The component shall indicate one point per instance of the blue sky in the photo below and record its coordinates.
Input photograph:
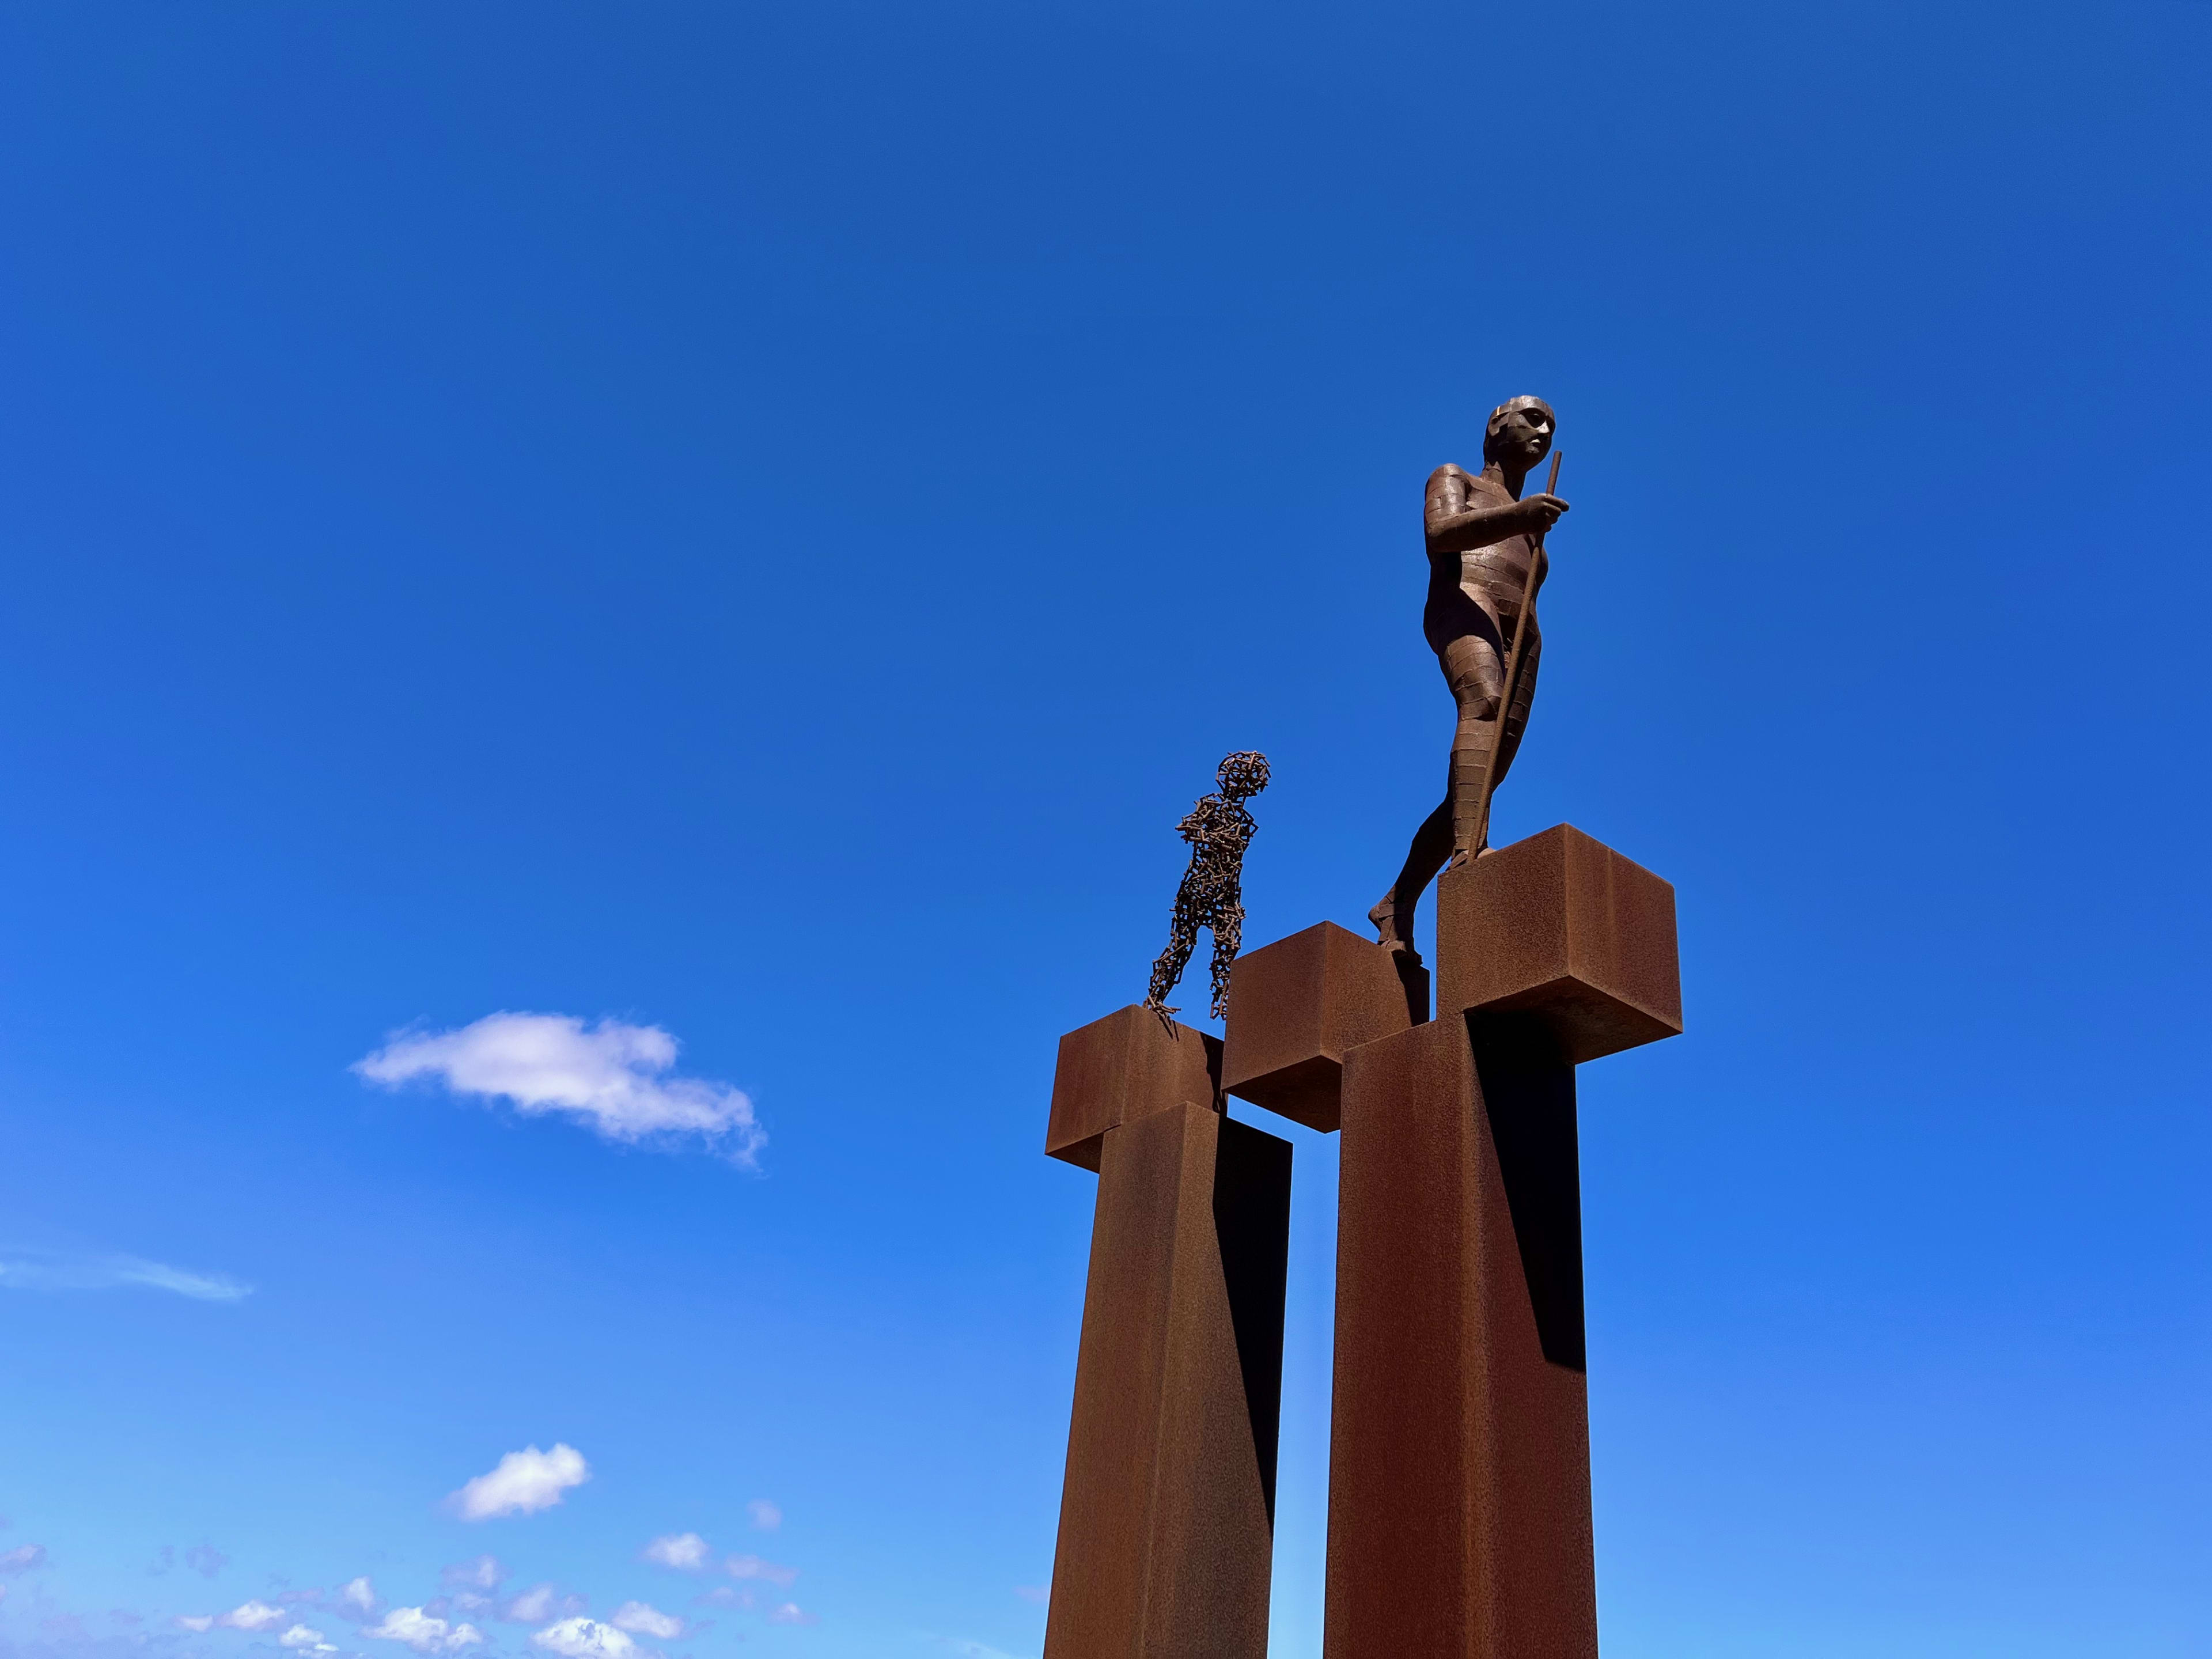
(739, 533)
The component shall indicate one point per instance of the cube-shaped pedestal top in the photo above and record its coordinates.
(1564, 929)
(1296, 1005)
(1122, 1068)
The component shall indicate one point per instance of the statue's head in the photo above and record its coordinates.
(1519, 433)
(1242, 775)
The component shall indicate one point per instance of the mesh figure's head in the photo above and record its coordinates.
(1519, 433)
(1242, 774)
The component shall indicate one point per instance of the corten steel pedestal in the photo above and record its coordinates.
(1459, 1522)
(1166, 1517)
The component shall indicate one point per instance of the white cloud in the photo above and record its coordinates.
(357, 1598)
(612, 1075)
(200, 1621)
(423, 1633)
(524, 1480)
(789, 1614)
(752, 1566)
(302, 1639)
(251, 1615)
(24, 1558)
(684, 1550)
(640, 1619)
(584, 1639)
(58, 1270)
(766, 1516)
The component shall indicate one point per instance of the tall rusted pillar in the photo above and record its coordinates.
(1167, 1516)
(1459, 1462)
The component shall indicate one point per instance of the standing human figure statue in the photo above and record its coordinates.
(1482, 535)
(1211, 894)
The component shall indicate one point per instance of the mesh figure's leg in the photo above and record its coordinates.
(1228, 925)
(1183, 939)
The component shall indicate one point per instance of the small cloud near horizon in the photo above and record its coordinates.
(767, 1518)
(525, 1481)
(413, 1627)
(584, 1639)
(612, 1076)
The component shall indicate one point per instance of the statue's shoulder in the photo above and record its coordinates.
(1448, 483)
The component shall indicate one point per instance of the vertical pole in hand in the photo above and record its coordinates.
(1521, 631)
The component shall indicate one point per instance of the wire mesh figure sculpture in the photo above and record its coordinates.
(1210, 895)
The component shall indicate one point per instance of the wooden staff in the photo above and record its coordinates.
(1522, 629)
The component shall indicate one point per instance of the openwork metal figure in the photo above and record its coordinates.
(1485, 556)
(1211, 896)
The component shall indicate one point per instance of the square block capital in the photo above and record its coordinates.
(1564, 929)
(1125, 1066)
(1296, 1005)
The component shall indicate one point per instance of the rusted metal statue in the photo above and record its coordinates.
(1485, 562)
(1211, 894)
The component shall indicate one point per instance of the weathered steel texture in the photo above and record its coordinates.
(1296, 1005)
(1459, 1462)
(1562, 929)
(1166, 1526)
(1459, 1520)
(1120, 1067)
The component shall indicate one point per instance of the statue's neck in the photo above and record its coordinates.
(1496, 474)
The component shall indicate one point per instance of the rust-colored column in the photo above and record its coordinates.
(1459, 1460)
(1166, 1517)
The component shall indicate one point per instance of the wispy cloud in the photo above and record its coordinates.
(300, 1639)
(28, 1269)
(792, 1613)
(523, 1481)
(614, 1077)
(24, 1558)
(685, 1551)
(752, 1566)
(767, 1518)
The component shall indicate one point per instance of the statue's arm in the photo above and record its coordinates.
(1455, 528)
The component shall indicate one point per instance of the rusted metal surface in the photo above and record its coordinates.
(1296, 1005)
(1166, 1526)
(1120, 1067)
(1564, 930)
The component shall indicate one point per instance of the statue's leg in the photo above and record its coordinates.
(1478, 677)
(1393, 914)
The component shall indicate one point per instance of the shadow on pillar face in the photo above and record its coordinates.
(1528, 1096)
(1252, 1219)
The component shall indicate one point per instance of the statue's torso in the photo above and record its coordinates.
(1472, 591)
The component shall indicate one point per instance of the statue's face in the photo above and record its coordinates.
(1520, 434)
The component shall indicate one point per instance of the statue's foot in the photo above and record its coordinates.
(1384, 917)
